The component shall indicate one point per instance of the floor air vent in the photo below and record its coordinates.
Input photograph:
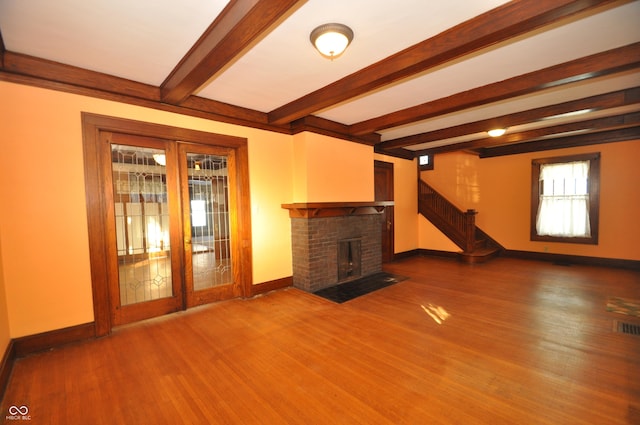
(626, 328)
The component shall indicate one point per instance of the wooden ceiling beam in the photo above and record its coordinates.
(587, 126)
(331, 128)
(234, 30)
(58, 73)
(592, 103)
(29, 70)
(502, 23)
(597, 65)
(596, 138)
(397, 153)
(2, 50)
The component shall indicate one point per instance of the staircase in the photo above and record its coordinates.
(457, 225)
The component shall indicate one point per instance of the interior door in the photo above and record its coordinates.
(208, 187)
(144, 248)
(140, 181)
(383, 181)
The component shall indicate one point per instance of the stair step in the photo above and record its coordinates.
(479, 255)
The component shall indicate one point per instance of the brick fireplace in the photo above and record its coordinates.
(335, 242)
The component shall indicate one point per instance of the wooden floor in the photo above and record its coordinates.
(525, 343)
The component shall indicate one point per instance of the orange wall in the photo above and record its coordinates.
(271, 185)
(43, 217)
(429, 237)
(405, 189)
(499, 189)
(44, 262)
(331, 170)
(45, 259)
(5, 335)
(44, 265)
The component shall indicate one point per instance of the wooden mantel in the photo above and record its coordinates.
(335, 209)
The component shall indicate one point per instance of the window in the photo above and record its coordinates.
(425, 162)
(565, 199)
(198, 213)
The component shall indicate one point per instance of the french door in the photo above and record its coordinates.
(168, 223)
(173, 247)
(208, 186)
(143, 215)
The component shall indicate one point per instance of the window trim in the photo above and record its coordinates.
(594, 197)
(429, 165)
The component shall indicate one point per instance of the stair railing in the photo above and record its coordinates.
(458, 225)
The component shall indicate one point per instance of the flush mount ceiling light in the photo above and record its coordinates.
(497, 132)
(331, 40)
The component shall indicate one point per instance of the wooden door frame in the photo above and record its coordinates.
(194, 298)
(99, 236)
(389, 212)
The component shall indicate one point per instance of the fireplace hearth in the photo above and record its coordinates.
(334, 243)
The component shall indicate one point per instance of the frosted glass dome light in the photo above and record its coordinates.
(331, 40)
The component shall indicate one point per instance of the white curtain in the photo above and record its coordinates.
(564, 200)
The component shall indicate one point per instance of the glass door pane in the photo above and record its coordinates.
(142, 223)
(208, 183)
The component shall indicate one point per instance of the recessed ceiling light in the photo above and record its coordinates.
(497, 132)
(570, 114)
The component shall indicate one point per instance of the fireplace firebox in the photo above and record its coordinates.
(349, 259)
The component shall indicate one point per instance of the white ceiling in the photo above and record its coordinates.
(143, 41)
(381, 28)
(140, 40)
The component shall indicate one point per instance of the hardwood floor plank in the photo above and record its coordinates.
(524, 342)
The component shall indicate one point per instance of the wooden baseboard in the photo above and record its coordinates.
(573, 259)
(406, 254)
(426, 252)
(23, 346)
(271, 285)
(8, 359)
(30, 344)
(536, 256)
(437, 253)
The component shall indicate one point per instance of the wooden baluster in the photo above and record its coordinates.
(461, 224)
(470, 231)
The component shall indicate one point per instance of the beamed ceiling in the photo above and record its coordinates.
(419, 77)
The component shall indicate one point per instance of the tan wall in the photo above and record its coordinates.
(499, 189)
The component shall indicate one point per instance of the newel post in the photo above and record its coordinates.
(470, 230)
